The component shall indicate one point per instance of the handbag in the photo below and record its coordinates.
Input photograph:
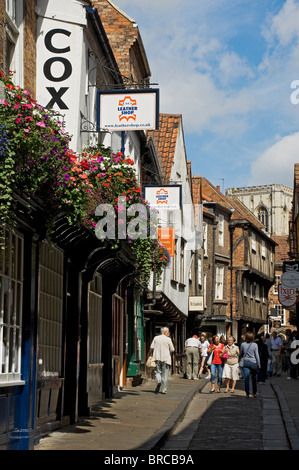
(150, 363)
(224, 357)
(250, 365)
(210, 358)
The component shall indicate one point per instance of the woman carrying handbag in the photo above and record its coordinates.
(250, 362)
(231, 365)
(216, 362)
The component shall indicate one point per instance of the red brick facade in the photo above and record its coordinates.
(125, 41)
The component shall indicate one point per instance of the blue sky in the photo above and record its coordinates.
(227, 66)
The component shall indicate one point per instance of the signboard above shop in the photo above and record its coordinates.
(287, 296)
(290, 279)
(164, 197)
(196, 303)
(128, 110)
(166, 236)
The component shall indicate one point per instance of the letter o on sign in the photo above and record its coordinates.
(67, 69)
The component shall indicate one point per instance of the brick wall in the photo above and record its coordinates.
(2, 20)
(30, 46)
(125, 41)
(29, 27)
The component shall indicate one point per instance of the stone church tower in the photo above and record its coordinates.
(271, 204)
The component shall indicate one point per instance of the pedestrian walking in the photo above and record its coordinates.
(163, 347)
(216, 363)
(264, 356)
(276, 348)
(204, 345)
(223, 340)
(268, 344)
(192, 348)
(250, 363)
(287, 345)
(231, 366)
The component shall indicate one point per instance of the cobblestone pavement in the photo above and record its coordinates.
(188, 418)
(231, 421)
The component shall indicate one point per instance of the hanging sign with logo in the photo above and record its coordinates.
(290, 279)
(287, 296)
(166, 236)
(128, 110)
(164, 197)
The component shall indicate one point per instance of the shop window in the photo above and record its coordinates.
(95, 320)
(11, 294)
(50, 310)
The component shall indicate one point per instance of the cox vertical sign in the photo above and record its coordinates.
(59, 59)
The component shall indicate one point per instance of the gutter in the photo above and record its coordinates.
(103, 40)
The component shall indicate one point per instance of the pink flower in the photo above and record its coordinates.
(41, 124)
(4, 102)
(18, 120)
(28, 118)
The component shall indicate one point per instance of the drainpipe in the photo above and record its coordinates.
(213, 266)
(153, 302)
(231, 230)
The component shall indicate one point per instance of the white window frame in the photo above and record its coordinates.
(275, 286)
(219, 284)
(199, 264)
(253, 242)
(263, 249)
(280, 311)
(174, 263)
(257, 292)
(205, 239)
(11, 300)
(221, 230)
(205, 291)
(15, 35)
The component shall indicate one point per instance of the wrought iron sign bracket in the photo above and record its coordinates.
(88, 126)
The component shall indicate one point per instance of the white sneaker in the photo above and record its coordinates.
(207, 378)
(289, 378)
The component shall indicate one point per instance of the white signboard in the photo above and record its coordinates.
(128, 110)
(164, 197)
(290, 279)
(196, 303)
(59, 57)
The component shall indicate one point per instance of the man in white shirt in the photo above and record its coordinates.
(192, 348)
(276, 345)
(162, 346)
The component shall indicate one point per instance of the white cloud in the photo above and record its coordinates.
(276, 163)
(285, 25)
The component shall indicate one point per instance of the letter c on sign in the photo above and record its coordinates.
(48, 41)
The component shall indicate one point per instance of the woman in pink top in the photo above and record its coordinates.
(215, 348)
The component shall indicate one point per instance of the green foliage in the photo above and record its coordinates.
(36, 161)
